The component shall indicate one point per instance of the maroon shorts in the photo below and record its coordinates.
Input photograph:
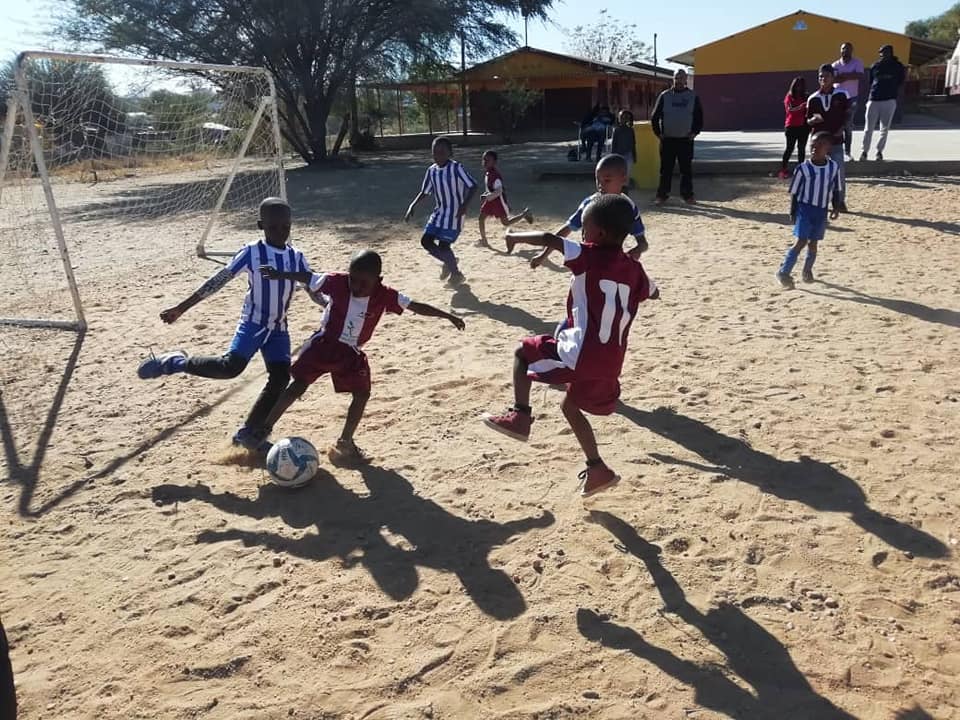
(347, 366)
(597, 396)
(495, 208)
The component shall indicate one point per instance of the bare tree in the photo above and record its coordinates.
(608, 39)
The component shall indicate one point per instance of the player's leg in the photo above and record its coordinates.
(351, 376)
(836, 154)
(246, 342)
(809, 261)
(789, 260)
(483, 228)
(293, 392)
(276, 357)
(449, 260)
(685, 160)
(8, 695)
(597, 476)
(525, 215)
(516, 421)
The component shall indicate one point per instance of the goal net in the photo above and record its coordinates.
(106, 158)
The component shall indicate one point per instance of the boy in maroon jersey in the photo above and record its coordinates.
(493, 201)
(355, 304)
(827, 112)
(587, 354)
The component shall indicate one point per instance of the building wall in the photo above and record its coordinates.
(797, 42)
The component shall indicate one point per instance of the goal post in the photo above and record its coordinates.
(92, 142)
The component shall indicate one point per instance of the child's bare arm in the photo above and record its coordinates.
(537, 261)
(420, 196)
(273, 274)
(538, 239)
(211, 286)
(637, 251)
(430, 311)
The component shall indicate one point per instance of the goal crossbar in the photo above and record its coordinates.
(20, 104)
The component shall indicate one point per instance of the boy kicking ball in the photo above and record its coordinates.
(816, 184)
(587, 354)
(493, 202)
(263, 320)
(611, 175)
(355, 303)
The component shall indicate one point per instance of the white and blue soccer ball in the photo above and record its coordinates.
(292, 462)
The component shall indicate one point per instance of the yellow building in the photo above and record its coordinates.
(742, 79)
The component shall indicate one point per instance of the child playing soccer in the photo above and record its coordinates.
(493, 202)
(356, 302)
(453, 189)
(611, 174)
(815, 185)
(263, 320)
(587, 355)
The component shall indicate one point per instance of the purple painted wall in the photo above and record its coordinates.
(752, 101)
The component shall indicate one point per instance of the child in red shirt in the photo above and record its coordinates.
(795, 125)
(493, 202)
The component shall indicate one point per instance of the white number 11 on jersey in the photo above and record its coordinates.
(613, 292)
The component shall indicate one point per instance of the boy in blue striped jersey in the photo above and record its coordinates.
(815, 186)
(263, 320)
(452, 188)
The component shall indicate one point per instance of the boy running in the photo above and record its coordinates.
(611, 174)
(453, 189)
(493, 202)
(588, 354)
(263, 320)
(356, 302)
(815, 185)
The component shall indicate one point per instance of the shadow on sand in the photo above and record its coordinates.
(755, 656)
(814, 483)
(348, 526)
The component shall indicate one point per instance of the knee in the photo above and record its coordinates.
(427, 242)
(361, 396)
(234, 364)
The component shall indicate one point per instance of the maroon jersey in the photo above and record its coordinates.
(349, 319)
(494, 182)
(833, 107)
(606, 288)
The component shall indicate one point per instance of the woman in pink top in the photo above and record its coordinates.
(795, 126)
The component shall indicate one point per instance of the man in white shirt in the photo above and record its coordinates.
(849, 73)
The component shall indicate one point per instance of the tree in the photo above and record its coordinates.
(608, 40)
(316, 49)
(516, 99)
(940, 28)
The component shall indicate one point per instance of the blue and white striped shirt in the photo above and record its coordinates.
(267, 301)
(448, 185)
(815, 184)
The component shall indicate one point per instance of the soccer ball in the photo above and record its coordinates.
(292, 462)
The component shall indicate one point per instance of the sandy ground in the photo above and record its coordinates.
(783, 544)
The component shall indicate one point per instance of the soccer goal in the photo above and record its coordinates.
(96, 149)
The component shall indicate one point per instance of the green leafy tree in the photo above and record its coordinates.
(940, 28)
(608, 39)
(516, 100)
(316, 49)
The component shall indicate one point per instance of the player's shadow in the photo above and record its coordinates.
(814, 483)
(949, 228)
(940, 316)
(27, 474)
(349, 527)
(754, 655)
(464, 299)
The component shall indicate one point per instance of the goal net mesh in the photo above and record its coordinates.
(137, 157)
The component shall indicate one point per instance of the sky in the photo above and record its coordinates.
(24, 23)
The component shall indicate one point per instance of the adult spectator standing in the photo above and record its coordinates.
(677, 119)
(827, 112)
(795, 125)
(849, 72)
(886, 77)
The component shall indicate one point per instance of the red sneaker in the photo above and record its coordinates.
(783, 175)
(596, 479)
(512, 423)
